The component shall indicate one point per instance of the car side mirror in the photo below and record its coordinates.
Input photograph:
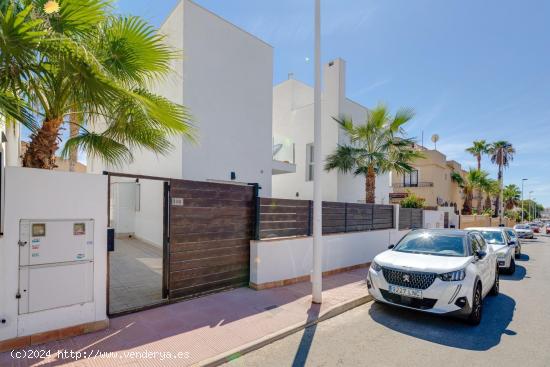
(512, 243)
(391, 246)
(481, 254)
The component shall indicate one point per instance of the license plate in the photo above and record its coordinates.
(408, 292)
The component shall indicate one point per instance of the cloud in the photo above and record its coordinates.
(370, 87)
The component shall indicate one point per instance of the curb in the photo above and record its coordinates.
(268, 339)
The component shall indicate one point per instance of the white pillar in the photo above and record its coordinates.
(317, 275)
(13, 145)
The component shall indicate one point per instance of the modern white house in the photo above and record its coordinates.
(225, 79)
(293, 130)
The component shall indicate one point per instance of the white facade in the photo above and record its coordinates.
(59, 196)
(225, 79)
(293, 121)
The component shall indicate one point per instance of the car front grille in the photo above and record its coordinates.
(421, 304)
(407, 279)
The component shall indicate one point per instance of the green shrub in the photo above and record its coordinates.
(412, 201)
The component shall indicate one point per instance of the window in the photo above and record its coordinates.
(309, 162)
(425, 242)
(410, 179)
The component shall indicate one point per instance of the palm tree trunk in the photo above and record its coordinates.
(44, 143)
(73, 132)
(500, 194)
(479, 162)
(479, 201)
(370, 185)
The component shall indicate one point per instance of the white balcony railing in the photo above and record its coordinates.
(284, 150)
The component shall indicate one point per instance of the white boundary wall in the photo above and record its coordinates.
(288, 258)
(42, 194)
(434, 219)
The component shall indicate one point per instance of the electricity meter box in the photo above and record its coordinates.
(56, 263)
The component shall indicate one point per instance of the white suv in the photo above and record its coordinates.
(503, 246)
(441, 271)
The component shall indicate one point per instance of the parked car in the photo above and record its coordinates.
(524, 231)
(534, 227)
(547, 229)
(502, 245)
(441, 271)
(515, 239)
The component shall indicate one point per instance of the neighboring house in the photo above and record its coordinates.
(293, 138)
(430, 180)
(225, 79)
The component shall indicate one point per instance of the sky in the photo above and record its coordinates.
(470, 69)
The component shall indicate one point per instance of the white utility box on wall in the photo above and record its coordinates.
(56, 263)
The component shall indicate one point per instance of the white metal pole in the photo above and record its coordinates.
(317, 276)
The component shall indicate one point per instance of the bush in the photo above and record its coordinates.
(412, 201)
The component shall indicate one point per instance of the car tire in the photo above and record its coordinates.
(477, 307)
(512, 268)
(496, 285)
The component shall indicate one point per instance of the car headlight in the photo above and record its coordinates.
(374, 266)
(453, 276)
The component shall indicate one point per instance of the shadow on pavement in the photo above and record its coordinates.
(523, 257)
(519, 274)
(497, 315)
(300, 357)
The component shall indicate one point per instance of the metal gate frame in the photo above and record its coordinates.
(165, 237)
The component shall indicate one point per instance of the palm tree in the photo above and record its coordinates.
(478, 149)
(76, 58)
(502, 153)
(461, 182)
(376, 147)
(511, 195)
(478, 179)
(491, 190)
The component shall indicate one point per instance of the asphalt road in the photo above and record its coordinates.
(515, 330)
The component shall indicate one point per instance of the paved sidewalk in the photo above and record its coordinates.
(205, 328)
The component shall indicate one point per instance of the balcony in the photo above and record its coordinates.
(284, 156)
(412, 184)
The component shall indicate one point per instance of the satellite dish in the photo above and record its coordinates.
(435, 139)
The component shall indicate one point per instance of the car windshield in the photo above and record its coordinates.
(493, 236)
(430, 243)
(521, 227)
(511, 233)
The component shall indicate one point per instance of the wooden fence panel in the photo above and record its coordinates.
(410, 218)
(211, 225)
(284, 217)
(288, 217)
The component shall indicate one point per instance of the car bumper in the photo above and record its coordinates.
(453, 298)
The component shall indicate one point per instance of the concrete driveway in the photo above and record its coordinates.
(515, 330)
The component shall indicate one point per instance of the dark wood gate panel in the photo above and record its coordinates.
(211, 225)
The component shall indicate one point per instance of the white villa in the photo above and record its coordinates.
(293, 131)
(248, 131)
(225, 79)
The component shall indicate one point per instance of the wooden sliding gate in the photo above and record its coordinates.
(210, 228)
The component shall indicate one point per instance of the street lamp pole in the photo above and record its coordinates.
(529, 210)
(522, 181)
(317, 275)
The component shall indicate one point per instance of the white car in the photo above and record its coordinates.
(502, 245)
(442, 271)
(524, 231)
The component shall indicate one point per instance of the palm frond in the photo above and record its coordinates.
(100, 146)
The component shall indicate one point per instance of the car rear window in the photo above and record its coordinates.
(430, 243)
